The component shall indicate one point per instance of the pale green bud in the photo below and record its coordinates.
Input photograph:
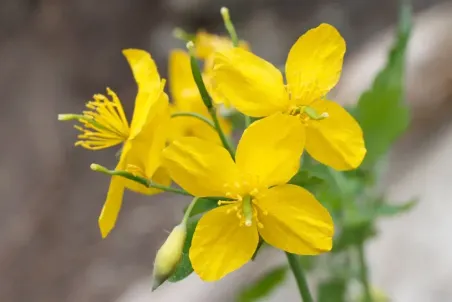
(169, 255)
(376, 294)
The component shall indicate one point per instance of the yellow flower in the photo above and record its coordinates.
(186, 98)
(262, 203)
(207, 44)
(256, 88)
(105, 125)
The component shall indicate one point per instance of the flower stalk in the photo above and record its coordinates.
(295, 266)
(229, 26)
(145, 182)
(197, 76)
(194, 115)
(363, 274)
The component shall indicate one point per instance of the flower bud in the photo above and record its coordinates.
(376, 295)
(169, 255)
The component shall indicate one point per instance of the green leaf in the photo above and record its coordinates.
(202, 205)
(263, 286)
(307, 180)
(332, 290)
(381, 111)
(353, 235)
(385, 209)
(184, 268)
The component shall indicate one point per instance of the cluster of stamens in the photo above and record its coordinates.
(245, 204)
(306, 113)
(104, 124)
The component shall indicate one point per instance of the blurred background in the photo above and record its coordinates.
(55, 54)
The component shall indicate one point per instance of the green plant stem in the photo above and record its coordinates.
(363, 272)
(189, 209)
(297, 269)
(223, 138)
(247, 121)
(195, 115)
(229, 26)
(138, 179)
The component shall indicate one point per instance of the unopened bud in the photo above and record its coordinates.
(376, 295)
(225, 13)
(169, 255)
(99, 168)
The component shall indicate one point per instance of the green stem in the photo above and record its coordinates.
(229, 26)
(195, 115)
(363, 272)
(145, 182)
(247, 121)
(189, 209)
(224, 140)
(297, 269)
(197, 76)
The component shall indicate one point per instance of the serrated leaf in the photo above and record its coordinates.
(184, 268)
(263, 286)
(381, 111)
(332, 290)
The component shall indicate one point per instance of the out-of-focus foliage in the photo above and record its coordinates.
(381, 111)
(264, 286)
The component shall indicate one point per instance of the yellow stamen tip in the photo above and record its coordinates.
(248, 223)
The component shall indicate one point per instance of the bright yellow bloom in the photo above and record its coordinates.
(262, 203)
(105, 125)
(256, 88)
(207, 44)
(186, 98)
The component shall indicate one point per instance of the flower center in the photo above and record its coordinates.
(306, 113)
(245, 205)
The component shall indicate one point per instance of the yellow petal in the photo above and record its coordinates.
(182, 85)
(220, 245)
(160, 176)
(336, 141)
(294, 221)
(207, 44)
(190, 126)
(143, 152)
(270, 149)
(314, 64)
(112, 206)
(252, 85)
(149, 86)
(200, 167)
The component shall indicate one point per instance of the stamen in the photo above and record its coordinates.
(225, 202)
(247, 209)
(104, 124)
